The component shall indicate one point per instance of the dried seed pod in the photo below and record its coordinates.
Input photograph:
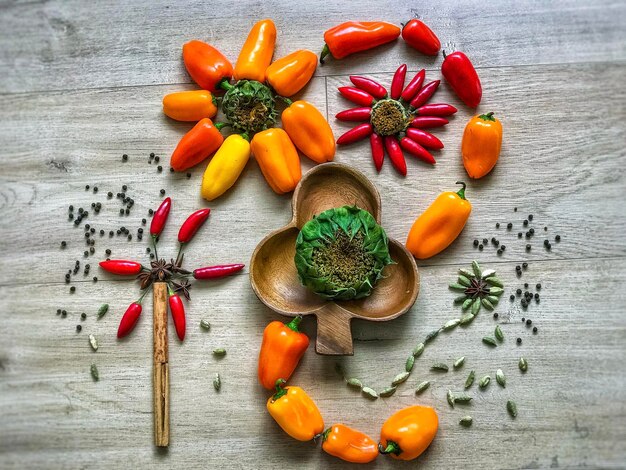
(462, 398)
(369, 393)
(482, 383)
(470, 379)
(419, 349)
(387, 392)
(354, 383)
(410, 361)
(456, 286)
(219, 352)
(467, 304)
(400, 378)
(496, 290)
(523, 364)
(489, 341)
(432, 335)
(217, 382)
(476, 268)
(466, 273)
(498, 333)
(93, 342)
(476, 306)
(459, 362)
(205, 325)
(466, 318)
(488, 273)
(488, 305)
(464, 281)
(494, 281)
(466, 421)
(450, 398)
(500, 378)
(511, 407)
(422, 386)
(451, 324)
(439, 367)
(104, 308)
(94, 372)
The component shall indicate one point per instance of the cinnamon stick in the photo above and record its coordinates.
(160, 376)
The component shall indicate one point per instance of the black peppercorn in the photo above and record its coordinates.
(525, 222)
(529, 322)
(63, 244)
(70, 216)
(92, 250)
(85, 254)
(121, 211)
(72, 289)
(86, 187)
(519, 340)
(78, 328)
(527, 234)
(127, 211)
(534, 329)
(150, 211)
(188, 175)
(530, 217)
(512, 297)
(557, 238)
(95, 189)
(148, 250)
(523, 319)
(140, 230)
(58, 311)
(124, 157)
(518, 268)
(526, 285)
(499, 252)
(497, 225)
(95, 279)
(475, 242)
(485, 241)
(503, 247)
(518, 291)
(171, 170)
(480, 247)
(509, 226)
(528, 247)
(63, 313)
(519, 234)
(159, 168)
(546, 242)
(156, 159)
(515, 209)
(83, 316)
(524, 265)
(111, 233)
(101, 232)
(107, 251)
(92, 230)
(538, 286)
(162, 191)
(532, 231)
(524, 303)
(130, 237)
(549, 247)
(495, 315)
(151, 154)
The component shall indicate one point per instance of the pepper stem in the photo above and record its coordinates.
(180, 250)
(280, 391)
(461, 192)
(324, 435)
(140, 299)
(324, 53)
(444, 54)
(220, 125)
(286, 100)
(487, 117)
(245, 136)
(154, 244)
(293, 324)
(224, 84)
(392, 448)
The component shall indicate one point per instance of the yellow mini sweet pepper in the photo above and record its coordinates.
(225, 166)
(189, 105)
(278, 159)
(289, 74)
(309, 131)
(295, 412)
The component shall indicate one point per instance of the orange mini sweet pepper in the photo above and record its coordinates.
(348, 444)
(289, 74)
(482, 140)
(295, 412)
(196, 145)
(408, 432)
(281, 350)
(256, 53)
(278, 159)
(206, 65)
(439, 225)
(309, 131)
(189, 105)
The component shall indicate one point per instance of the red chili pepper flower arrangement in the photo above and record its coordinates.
(394, 121)
(170, 272)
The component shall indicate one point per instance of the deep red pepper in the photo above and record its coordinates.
(355, 114)
(395, 154)
(436, 109)
(121, 266)
(356, 95)
(192, 224)
(378, 151)
(160, 217)
(458, 70)
(178, 313)
(416, 150)
(421, 37)
(426, 122)
(425, 139)
(129, 319)
(355, 134)
(425, 93)
(370, 86)
(355, 36)
(414, 85)
(215, 272)
(397, 83)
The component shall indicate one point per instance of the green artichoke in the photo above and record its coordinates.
(250, 107)
(341, 253)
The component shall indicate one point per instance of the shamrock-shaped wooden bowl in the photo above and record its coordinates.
(275, 280)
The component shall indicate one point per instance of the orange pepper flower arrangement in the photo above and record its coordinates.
(250, 108)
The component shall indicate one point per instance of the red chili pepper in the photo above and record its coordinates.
(160, 217)
(378, 151)
(395, 154)
(121, 267)
(426, 122)
(355, 36)
(421, 37)
(129, 319)
(367, 84)
(425, 139)
(414, 86)
(356, 95)
(178, 313)
(355, 134)
(436, 109)
(355, 114)
(215, 272)
(425, 93)
(458, 70)
(192, 224)
(397, 83)
(416, 150)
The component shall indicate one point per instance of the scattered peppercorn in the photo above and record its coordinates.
(523, 319)
(524, 265)
(519, 340)
(512, 297)
(509, 226)
(95, 189)
(171, 170)
(530, 217)
(525, 222)
(519, 234)
(480, 247)
(92, 250)
(528, 247)
(538, 286)
(151, 154)
(475, 242)
(107, 251)
(86, 187)
(85, 254)
(63, 244)
(130, 237)
(150, 211)
(534, 329)
(529, 322)
(162, 191)
(72, 289)
(485, 241)
(78, 328)
(124, 157)
(157, 158)
(63, 313)
(95, 279)
(524, 303)
(518, 291)
(58, 311)
(499, 252)
(159, 168)
(188, 175)
(495, 315)
(111, 233)
(497, 225)
(557, 238)
(515, 209)
(121, 211)
(532, 231)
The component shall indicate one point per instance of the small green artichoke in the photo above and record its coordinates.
(341, 253)
(250, 107)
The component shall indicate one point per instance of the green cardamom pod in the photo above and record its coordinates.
(476, 269)
(511, 408)
(451, 324)
(432, 335)
(450, 398)
(205, 325)
(459, 362)
(93, 342)
(220, 352)
(104, 308)
(468, 303)
(462, 398)
(500, 378)
(94, 372)
(354, 383)
(482, 383)
(466, 273)
(464, 281)
(496, 290)
(217, 382)
(494, 281)
(455, 286)
(476, 306)
(410, 361)
(460, 299)
(466, 421)
(439, 367)
(422, 386)
(400, 378)
(493, 299)
(488, 305)
(498, 333)
(488, 273)
(470, 379)
(369, 393)
(488, 340)
(387, 392)
(419, 349)
(466, 318)
(523, 364)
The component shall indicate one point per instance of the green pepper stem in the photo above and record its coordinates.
(220, 125)
(324, 434)
(487, 117)
(245, 136)
(224, 84)
(180, 250)
(392, 448)
(286, 100)
(293, 324)
(140, 299)
(154, 244)
(324, 53)
(461, 192)
(280, 391)
(444, 54)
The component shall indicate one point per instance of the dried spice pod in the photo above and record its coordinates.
(511, 407)
(400, 378)
(523, 364)
(482, 383)
(422, 386)
(466, 421)
(500, 378)
(369, 393)
(439, 367)
(354, 383)
(387, 392)
(470, 380)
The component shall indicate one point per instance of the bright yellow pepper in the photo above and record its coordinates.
(289, 74)
(295, 412)
(278, 159)
(482, 140)
(309, 131)
(189, 105)
(225, 166)
(439, 225)
(256, 53)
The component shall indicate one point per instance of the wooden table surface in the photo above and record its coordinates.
(81, 84)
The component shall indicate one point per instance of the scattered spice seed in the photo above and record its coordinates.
(400, 378)
(387, 392)
(511, 407)
(519, 340)
(500, 378)
(220, 352)
(462, 398)
(451, 324)
(466, 421)
(78, 328)
(72, 289)
(534, 329)
(217, 382)
(419, 349)
(422, 386)
(94, 372)
(83, 316)
(470, 379)
(439, 367)
(354, 383)
(369, 393)
(205, 325)
(482, 383)
(523, 364)
(557, 238)
(410, 361)
(432, 335)
(450, 398)
(498, 333)
(93, 342)
(489, 341)
(459, 362)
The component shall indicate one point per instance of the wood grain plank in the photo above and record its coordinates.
(62, 45)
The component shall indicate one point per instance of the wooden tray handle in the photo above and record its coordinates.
(334, 336)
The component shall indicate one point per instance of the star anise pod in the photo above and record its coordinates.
(145, 279)
(161, 270)
(182, 287)
(177, 269)
(480, 288)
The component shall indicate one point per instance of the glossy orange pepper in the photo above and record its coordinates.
(348, 444)
(356, 36)
(278, 159)
(309, 131)
(281, 350)
(439, 225)
(256, 53)
(481, 145)
(295, 412)
(189, 105)
(408, 432)
(289, 74)
(206, 65)
(196, 145)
